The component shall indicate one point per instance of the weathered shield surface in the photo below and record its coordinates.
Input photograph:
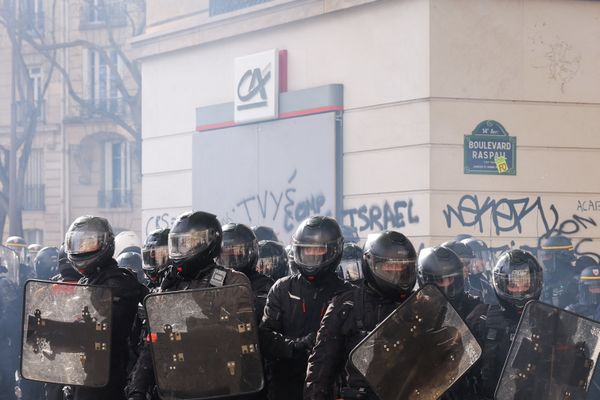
(66, 333)
(553, 356)
(419, 351)
(205, 342)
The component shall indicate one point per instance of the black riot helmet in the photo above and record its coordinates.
(589, 285)
(389, 264)
(66, 270)
(272, 259)
(556, 252)
(264, 233)
(350, 268)
(317, 245)
(132, 261)
(32, 251)
(442, 267)
(194, 242)
(155, 253)
(239, 249)
(46, 263)
(89, 244)
(483, 260)
(517, 279)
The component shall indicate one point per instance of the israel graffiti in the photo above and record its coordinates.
(378, 217)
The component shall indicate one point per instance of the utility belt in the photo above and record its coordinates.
(350, 393)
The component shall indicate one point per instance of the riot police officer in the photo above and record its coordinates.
(350, 268)
(272, 259)
(66, 270)
(90, 244)
(390, 275)
(239, 251)
(155, 255)
(517, 279)
(466, 256)
(264, 233)
(296, 304)
(442, 267)
(10, 321)
(46, 263)
(588, 303)
(132, 261)
(478, 280)
(557, 257)
(194, 243)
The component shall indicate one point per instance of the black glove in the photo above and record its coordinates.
(306, 343)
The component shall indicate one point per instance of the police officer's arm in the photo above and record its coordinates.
(273, 342)
(142, 378)
(328, 356)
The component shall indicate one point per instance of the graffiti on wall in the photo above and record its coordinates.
(377, 217)
(509, 215)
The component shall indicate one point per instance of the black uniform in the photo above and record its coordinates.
(9, 337)
(142, 380)
(390, 275)
(127, 293)
(496, 330)
(294, 310)
(517, 280)
(348, 320)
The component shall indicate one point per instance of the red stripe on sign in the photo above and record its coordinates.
(291, 114)
(311, 111)
(220, 125)
(283, 71)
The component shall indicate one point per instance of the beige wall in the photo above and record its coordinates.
(322, 50)
(533, 66)
(418, 75)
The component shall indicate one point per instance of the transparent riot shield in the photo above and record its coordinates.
(66, 333)
(205, 342)
(552, 357)
(9, 264)
(419, 351)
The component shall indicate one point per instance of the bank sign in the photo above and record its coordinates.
(489, 150)
(256, 87)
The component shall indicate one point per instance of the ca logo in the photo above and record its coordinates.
(252, 83)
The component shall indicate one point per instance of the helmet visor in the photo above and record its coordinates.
(188, 244)
(268, 265)
(519, 284)
(155, 257)
(350, 270)
(82, 242)
(237, 256)
(401, 273)
(313, 256)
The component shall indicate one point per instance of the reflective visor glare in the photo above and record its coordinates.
(78, 242)
(352, 270)
(266, 265)
(184, 244)
(395, 271)
(234, 255)
(519, 284)
(313, 255)
(155, 256)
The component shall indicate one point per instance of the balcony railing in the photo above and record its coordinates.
(115, 199)
(34, 197)
(98, 108)
(113, 13)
